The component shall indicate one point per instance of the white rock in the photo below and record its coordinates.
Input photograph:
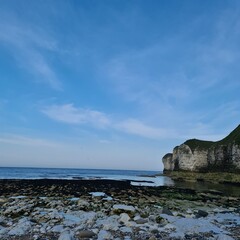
(103, 234)
(224, 237)
(35, 236)
(42, 230)
(124, 218)
(57, 228)
(66, 235)
(218, 210)
(95, 230)
(126, 229)
(74, 199)
(98, 194)
(130, 224)
(189, 211)
(108, 198)
(137, 218)
(169, 226)
(108, 223)
(42, 198)
(9, 223)
(80, 218)
(124, 207)
(18, 197)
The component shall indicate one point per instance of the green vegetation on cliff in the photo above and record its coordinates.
(233, 137)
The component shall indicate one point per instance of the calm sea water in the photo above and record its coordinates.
(137, 177)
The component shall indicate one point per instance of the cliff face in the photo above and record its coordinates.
(197, 155)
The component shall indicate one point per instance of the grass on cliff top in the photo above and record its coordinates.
(233, 137)
(213, 177)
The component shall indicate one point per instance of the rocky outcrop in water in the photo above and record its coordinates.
(197, 155)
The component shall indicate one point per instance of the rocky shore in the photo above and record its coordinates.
(107, 209)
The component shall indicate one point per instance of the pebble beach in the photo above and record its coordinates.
(107, 209)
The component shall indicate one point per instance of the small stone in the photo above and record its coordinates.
(124, 218)
(57, 228)
(159, 219)
(126, 229)
(141, 221)
(83, 203)
(98, 194)
(189, 211)
(152, 238)
(201, 213)
(108, 198)
(103, 234)
(124, 207)
(42, 230)
(3, 200)
(35, 236)
(74, 199)
(167, 211)
(86, 234)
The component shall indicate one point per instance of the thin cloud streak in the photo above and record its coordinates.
(23, 140)
(26, 45)
(170, 89)
(69, 114)
(136, 127)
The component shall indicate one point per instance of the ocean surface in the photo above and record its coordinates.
(140, 178)
(137, 178)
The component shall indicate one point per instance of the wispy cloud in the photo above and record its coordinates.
(27, 141)
(67, 113)
(27, 45)
(136, 127)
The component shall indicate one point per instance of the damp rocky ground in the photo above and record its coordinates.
(106, 209)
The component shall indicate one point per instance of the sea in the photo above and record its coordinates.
(137, 178)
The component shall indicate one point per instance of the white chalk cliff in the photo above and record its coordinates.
(197, 155)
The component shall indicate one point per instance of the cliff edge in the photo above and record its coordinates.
(206, 156)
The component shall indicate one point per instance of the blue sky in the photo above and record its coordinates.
(115, 84)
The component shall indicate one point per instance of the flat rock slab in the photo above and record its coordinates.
(123, 207)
